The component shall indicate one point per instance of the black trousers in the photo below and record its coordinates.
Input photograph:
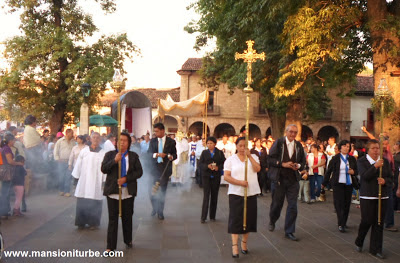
(342, 201)
(113, 214)
(290, 189)
(261, 180)
(88, 212)
(158, 200)
(369, 219)
(210, 188)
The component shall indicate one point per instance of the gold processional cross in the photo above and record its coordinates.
(249, 56)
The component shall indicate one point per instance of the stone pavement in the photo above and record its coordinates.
(49, 225)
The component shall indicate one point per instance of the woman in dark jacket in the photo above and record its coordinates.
(131, 170)
(211, 163)
(343, 169)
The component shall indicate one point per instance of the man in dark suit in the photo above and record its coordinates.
(369, 168)
(286, 160)
(163, 151)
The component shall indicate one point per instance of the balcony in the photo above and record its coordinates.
(213, 110)
(260, 112)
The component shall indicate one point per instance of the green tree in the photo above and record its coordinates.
(51, 59)
(311, 46)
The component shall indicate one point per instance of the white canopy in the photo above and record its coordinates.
(188, 108)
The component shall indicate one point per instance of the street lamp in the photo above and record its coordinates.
(382, 93)
(118, 84)
(85, 89)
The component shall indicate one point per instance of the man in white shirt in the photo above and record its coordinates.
(109, 144)
(62, 151)
(330, 149)
(286, 160)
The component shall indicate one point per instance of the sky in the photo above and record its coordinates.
(155, 26)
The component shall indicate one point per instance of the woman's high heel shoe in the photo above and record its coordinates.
(234, 255)
(244, 251)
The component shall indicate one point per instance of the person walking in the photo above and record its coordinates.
(211, 163)
(343, 169)
(369, 168)
(286, 161)
(234, 172)
(131, 170)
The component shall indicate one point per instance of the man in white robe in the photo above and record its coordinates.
(182, 161)
(90, 178)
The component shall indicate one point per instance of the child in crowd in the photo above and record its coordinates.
(18, 182)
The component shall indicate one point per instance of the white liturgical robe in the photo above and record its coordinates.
(88, 170)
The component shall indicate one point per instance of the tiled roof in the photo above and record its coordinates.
(152, 94)
(365, 86)
(192, 64)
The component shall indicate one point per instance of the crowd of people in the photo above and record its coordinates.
(285, 167)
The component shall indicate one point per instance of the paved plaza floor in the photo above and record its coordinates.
(49, 225)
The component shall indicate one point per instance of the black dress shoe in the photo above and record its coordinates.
(235, 255)
(161, 217)
(358, 249)
(202, 221)
(153, 213)
(291, 237)
(341, 229)
(244, 252)
(378, 255)
(212, 220)
(271, 227)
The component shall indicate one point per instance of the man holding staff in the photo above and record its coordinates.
(369, 167)
(163, 151)
(131, 170)
(286, 160)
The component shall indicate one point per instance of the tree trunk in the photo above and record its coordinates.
(294, 116)
(377, 12)
(277, 124)
(57, 119)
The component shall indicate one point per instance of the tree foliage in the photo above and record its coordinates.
(51, 58)
(311, 46)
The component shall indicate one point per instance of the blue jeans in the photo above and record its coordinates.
(5, 198)
(315, 179)
(64, 176)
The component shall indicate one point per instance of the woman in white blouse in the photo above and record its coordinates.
(76, 150)
(234, 170)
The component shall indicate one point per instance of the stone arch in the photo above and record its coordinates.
(306, 132)
(170, 122)
(328, 131)
(197, 128)
(255, 131)
(268, 132)
(224, 128)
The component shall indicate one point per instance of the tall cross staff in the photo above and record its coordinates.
(118, 85)
(249, 56)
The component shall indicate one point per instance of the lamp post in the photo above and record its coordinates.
(84, 113)
(118, 84)
(382, 93)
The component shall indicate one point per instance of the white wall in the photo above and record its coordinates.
(358, 114)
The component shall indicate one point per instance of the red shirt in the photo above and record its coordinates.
(315, 170)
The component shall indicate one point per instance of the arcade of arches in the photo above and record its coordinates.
(323, 133)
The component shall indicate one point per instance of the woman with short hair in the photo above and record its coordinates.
(211, 163)
(343, 169)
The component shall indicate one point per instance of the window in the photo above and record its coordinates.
(210, 106)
